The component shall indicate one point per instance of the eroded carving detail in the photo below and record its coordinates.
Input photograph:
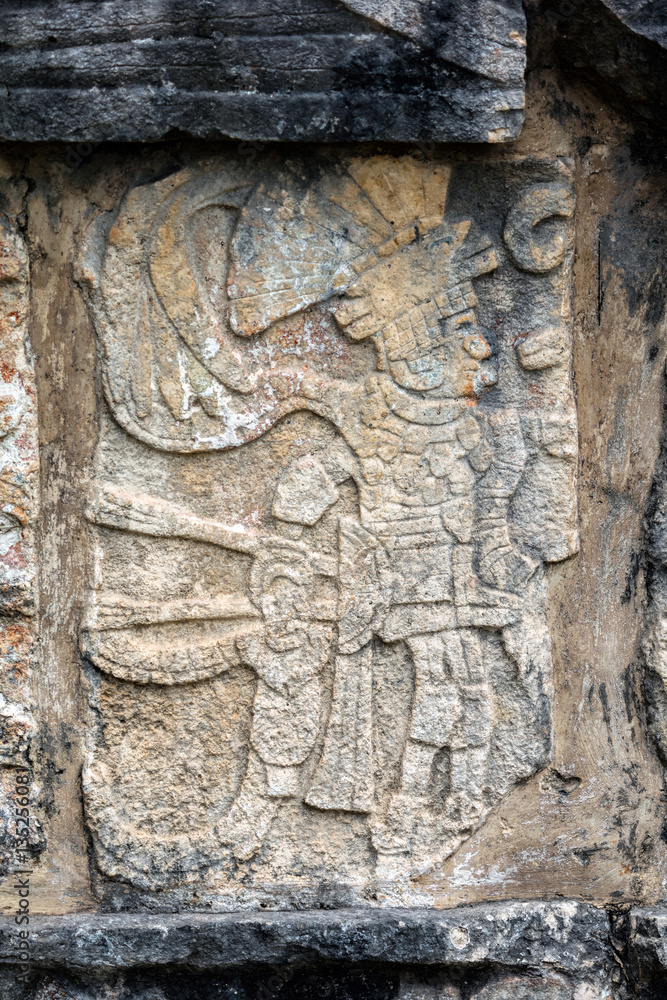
(419, 521)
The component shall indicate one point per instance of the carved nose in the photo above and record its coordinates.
(476, 346)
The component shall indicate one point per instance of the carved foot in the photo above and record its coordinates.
(247, 823)
(393, 834)
(462, 811)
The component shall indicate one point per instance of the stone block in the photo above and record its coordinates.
(311, 70)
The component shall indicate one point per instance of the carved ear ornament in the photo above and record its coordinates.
(536, 230)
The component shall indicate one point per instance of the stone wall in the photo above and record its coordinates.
(333, 550)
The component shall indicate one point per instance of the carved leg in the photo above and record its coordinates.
(465, 801)
(435, 711)
(416, 768)
(394, 832)
(283, 734)
(282, 782)
(255, 806)
(344, 777)
(252, 811)
(470, 748)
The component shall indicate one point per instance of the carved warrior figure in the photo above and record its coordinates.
(433, 559)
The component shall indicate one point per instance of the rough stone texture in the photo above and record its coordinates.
(649, 929)
(376, 702)
(571, 937)
(556, 951)
(304, 70)
(648, 950)
(20, 840)
(254, 688)
(620, 46)
(647, 19)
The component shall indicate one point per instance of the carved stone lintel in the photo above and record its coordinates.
(320, 70)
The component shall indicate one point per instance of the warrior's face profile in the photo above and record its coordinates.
(442, 357)
(419, 307)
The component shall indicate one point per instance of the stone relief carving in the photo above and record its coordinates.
(317, 628)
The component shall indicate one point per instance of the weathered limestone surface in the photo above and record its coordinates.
(333, 563)
(19, 497)
(364, 620)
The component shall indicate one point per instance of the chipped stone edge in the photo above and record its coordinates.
(136, 114)
(648, 939)
(567, 936)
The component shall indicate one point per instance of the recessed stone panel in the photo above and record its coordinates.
(338, 450)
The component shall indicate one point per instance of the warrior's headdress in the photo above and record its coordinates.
(368, 235)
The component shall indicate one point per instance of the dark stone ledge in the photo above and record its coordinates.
(292, 70)
(138, 114)
(567, 936)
